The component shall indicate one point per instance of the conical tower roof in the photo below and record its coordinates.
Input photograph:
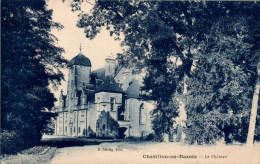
(80, 59)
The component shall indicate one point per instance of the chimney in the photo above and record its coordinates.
(110, 67)
(126, 80)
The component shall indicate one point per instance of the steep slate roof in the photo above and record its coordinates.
(109, 85)
(133, 90)
(100, 73)
(80, 59)
(117, 69)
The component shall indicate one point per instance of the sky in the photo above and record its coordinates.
(70, 38)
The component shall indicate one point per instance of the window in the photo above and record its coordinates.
(142, 114)
(120, 113)
(142, 134)
(74, 129)
(60, 119)
(104, 126)
(64, 103)
(82, 113)
(79, 100)
(129, 113)
(74, 117)
(65, 129)
(79, 129)
(112, 102)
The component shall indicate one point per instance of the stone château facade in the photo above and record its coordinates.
(102, 103)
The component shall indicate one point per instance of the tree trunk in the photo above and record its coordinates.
(182, 112)
(251, 129)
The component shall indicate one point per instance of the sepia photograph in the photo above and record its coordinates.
(130, 81)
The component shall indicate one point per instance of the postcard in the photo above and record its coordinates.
(97, 81)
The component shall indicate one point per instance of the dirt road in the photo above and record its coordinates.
(154, 152)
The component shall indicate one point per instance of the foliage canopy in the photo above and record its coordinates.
(30, 63)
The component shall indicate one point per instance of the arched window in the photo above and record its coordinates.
(142, 114)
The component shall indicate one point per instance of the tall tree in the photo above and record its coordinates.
(163, 38)
(30, 63)
(218, 100)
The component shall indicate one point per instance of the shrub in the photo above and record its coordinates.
(11, 142)
(91, 133)
(150, 137)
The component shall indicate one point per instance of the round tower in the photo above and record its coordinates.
(79, 72)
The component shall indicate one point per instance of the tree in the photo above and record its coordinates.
(218, 99)
(30, 63)
(165, 37)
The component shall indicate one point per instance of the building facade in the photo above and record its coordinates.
(104, 103)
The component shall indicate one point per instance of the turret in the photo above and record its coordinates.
(79, 72)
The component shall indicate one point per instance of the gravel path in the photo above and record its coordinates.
(153, 152)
